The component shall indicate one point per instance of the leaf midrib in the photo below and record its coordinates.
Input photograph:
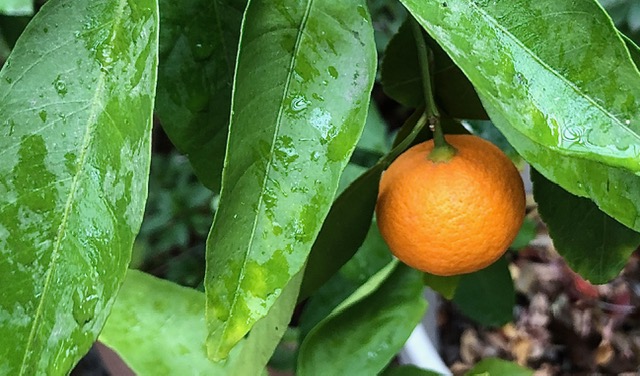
(91, 124)
(285, 92)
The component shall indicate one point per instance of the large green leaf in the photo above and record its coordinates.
(487, 296)
(360, 337)
(198, 45)
(159, 328)
(594, 245)
(301, 93)
(76, 102)
(543, 72)
(16, 7)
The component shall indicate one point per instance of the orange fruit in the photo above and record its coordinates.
(453, 217)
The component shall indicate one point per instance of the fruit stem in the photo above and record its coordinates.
(442, 150)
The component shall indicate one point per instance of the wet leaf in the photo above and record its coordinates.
(198, 46)
(495, 366)
(592, 243)
(402, 81)
(76, 103)
(301, 94)
(487, 296)
(394, 308)
(371, 257)
(559, 104)
(159, 328)
(16, 7)
(349, 218)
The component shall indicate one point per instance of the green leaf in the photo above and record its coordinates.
(16, 7)
(198, 46)
(374, 137)
(408, 370)
(76, 102)
(159, 328)
(487, 296)
(349, 218)
(527, 233)
(594, 245)
(498, 367)
(445, 286)
(301, 93)
(371, 330)
(578, 126)
(372, 256)
(402, 81)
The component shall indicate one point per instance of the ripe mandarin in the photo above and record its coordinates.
(453, 217)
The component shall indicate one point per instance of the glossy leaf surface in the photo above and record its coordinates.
(487, 296)
(159, 328)
(301, 93)
(16, 7)
(76, 99)
(198, 46)
(594, 245)
(559, 104)
(371, 331)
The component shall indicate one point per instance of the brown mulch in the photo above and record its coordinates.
(562, 324)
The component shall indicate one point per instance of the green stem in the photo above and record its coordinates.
(442, 150)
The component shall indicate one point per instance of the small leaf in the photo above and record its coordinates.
(402, 81)
(577, 126)
(76, 98)
(445, 286)
(527, 233)
(16, 7)
(498, 367)
(301, 94)
(195, 76)
(159, 328)
(371, 330)
(592, 243)
(487, 296)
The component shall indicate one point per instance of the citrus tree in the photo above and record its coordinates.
(271, 103)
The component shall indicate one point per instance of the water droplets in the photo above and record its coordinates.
(43, 116)
(298, 103)
(333, 72)
(202, 51)
(574, 134)
(321, 120)
(60, 86)
(85, 301)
